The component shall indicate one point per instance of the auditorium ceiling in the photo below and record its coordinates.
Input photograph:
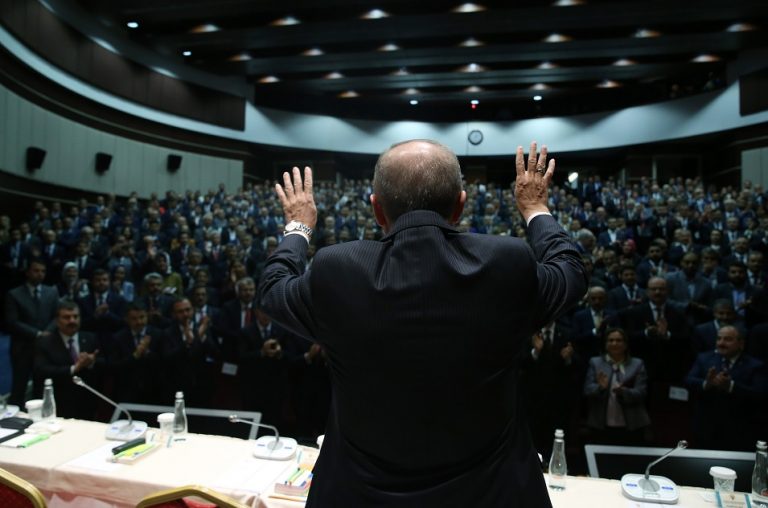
(429, 60)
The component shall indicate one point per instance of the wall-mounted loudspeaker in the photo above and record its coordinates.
(35, 158)
(103, 160)
(174, 162)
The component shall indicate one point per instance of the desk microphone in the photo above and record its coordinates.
(6, 410)
(270, 447)
(119, 430)
(656, 489)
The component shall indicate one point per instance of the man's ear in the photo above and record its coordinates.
(378, 212)
(458, 208)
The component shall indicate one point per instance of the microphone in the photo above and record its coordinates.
(270, 447)
(7, 410)
(119, 430)
(657, 489)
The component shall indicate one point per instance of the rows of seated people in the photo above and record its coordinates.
(671, 265)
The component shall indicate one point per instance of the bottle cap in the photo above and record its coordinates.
(559, 433)
(179, 395)
(48, 382)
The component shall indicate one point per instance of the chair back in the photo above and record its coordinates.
(16, 492)
(184, 497)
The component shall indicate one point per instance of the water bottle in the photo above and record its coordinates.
(760, 476)
(49, 403)
(557, 466)
(179, 416)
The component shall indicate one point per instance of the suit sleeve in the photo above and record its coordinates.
(12, 318)
(561, 275)
(284, 290)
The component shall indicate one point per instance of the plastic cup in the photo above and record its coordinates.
(320, 439)
(724, 478)
(165, 422)
(35, 409)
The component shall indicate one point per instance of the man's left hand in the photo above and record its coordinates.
(297, 199)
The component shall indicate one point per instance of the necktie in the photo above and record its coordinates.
(598, 319)
(248, 316)
(36, 294)
(72, 350)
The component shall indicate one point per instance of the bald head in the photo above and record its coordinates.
(417, 175)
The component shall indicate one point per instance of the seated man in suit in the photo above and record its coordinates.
(731, 386)
(70, 352)
(135, 360)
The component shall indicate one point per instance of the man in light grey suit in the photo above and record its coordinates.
(29, 312)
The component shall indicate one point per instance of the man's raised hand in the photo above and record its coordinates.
(296, 197)
(533, 180)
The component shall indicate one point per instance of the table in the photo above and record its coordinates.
(58, 468)
(65, 466)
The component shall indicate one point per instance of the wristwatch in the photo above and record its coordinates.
(298, 227)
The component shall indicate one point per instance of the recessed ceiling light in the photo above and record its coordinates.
(204, 28)
(473, 67)
(741, 27)
(349, 94)
(643, 33)
(621, 62)
(410, 91)
(706, 58)
(313, 52)
(402, 71)
(537, 97)
(468, 7)
(375, 14)
(473, 89)
(132, 24)
(286, 21)
(240, 57)
(474, 102)
(546, 65)
(269, 79)
(471, 43)
(608, 83)
(333, 75)
(389, 47)
(555, 37)
(568, 3)
(540, 86)
(413, 102)
(187, 53)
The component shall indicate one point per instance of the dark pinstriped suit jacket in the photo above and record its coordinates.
(422, 330)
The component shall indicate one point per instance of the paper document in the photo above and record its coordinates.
(251, 475)
(99, 459)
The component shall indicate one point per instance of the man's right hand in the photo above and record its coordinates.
(533, 180)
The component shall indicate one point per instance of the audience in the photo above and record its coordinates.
(165, 288)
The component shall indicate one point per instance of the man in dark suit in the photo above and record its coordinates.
(135, 361)
(628, 294)
(29, 312)
(704, 335)
(691, 290)
(731, 386)
(190, 354)
(589, 324)
(69, 352)
(549, 383)
(422, 331)
(102, 310)
(739, 291)
(659, 334)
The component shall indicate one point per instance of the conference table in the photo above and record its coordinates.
(72, 470)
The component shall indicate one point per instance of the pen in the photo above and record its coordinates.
(293, 476)
(302, 478)
(36, 439)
